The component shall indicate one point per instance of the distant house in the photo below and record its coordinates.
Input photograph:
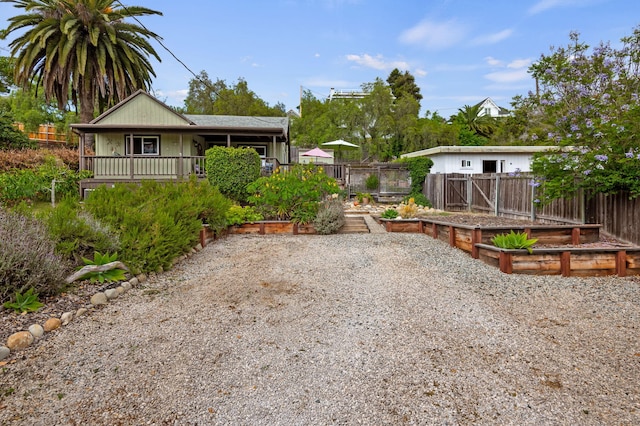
(490, 108)
(480, 159)
(143, 138)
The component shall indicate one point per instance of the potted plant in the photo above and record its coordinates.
(363, 197)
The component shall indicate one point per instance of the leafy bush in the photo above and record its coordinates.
(389, 214)
(292, 194)
(419, 198)
(77, 233)
(514, 240)
(237, 215)
(35, 184)
(372, 182)
(27, 302)
(232, 169)
(419, 168)
(151, 237)
(27, 257)
(12, 138)
(330, 217)
(34, 158)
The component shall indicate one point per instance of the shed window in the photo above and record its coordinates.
(466, 164)
(143, 145)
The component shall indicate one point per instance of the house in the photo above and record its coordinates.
(480, 159)
(490, 108)
(143, 138)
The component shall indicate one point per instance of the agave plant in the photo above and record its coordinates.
(514, 240)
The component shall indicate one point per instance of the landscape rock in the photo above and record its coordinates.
(99, 299)
(120, 290)
(20, 340)
(199, 247)
(52, 324)
(66, 318)
(134, 281)
(111, 293)
(81, 311)
(36, 330)
(126, 286)
(142, 278)
(4, 352)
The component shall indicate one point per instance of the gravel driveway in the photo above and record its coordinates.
(342, 329)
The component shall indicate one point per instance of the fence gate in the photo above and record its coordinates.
(456, 190)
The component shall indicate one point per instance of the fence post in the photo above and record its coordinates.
(469, 192)
(533, 204)
(497, 200)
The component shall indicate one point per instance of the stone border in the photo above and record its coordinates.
(23, 339)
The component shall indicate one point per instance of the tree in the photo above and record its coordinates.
(207, 97)
(404, 84)
(81, 51)
(480, 124)
(589, 106)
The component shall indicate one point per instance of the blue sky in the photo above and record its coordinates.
(460, 51)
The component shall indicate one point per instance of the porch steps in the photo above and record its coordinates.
(354, 225)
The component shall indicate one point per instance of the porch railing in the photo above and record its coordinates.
(138, 167)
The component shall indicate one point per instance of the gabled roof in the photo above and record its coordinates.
(184, 123)
(128, 100)
(485, 101)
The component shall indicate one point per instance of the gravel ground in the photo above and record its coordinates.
(341, 329)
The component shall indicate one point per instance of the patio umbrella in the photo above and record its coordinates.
(317, 153)
(341, 144)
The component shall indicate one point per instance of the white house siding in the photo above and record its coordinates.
(505, 163)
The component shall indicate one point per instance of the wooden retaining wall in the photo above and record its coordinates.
(565, 261)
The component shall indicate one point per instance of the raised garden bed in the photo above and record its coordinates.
(264, 227)
(568, 250)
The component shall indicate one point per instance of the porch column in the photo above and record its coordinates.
(181, 160)
(275, 151)
(228, 141)
(131, 164)
(83, 164)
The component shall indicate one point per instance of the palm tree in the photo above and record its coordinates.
(479, 124)
(82, 51)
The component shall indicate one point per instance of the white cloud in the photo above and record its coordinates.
(493, 61)
(434, 35)
(508, 76)
(420, 72)
(317, 55)
(492, 38)
(378, 62)
(544, 5)
(519, 63)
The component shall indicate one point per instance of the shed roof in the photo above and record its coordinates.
(497, 149)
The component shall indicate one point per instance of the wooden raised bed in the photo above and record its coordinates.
(571, 261)
(264, 227)
(566, 261)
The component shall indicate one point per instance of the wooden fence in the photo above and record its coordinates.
(515, 197)
(47, 136)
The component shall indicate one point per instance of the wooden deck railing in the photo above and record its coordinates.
(139, 167)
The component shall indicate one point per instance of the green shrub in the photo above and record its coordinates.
(157, 222)
(292, 194)
(372, 182)
(77, 233)
(10, 137)
(419, 168)
(27, 257)
(514, 240)
(35, 184)
(237, 215)
(27, 302)
(330, 217)
(419, 198)
(232, 169)
(389, 214)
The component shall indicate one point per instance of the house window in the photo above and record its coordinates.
(143, 145)
(487, 112)
(466, 164)
(260, 149)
